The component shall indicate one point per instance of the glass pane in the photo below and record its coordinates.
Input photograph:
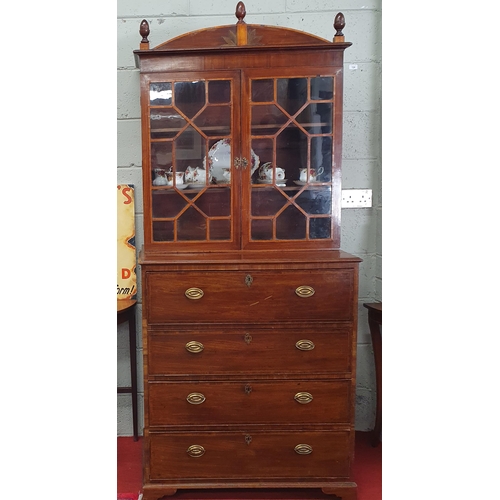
(262, 229)
(292, 93)
(262, 90)
(322, 88)
(215, 121)
(267, 120)
(167, 203)
(266, 201)
(291, 225)
(219, 91)
(165, 123)
(317, 118)
(215, 202)
(291, 151)
(163, 231)
(160, 94)
(321, 157)
(189, 149)
(316, 201)
(161, 155)
(220, 229)
(320, 228)
(191, 226)
(189, 97)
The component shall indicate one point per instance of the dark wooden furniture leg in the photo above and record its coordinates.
(126, 312)
(375, 322)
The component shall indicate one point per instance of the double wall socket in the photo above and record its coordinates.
(356, 198)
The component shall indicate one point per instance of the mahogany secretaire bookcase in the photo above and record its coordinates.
(249, 305)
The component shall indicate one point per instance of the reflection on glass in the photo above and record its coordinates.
(267, 120)
(215, 121)
(291, 151)
(317, 118)
(219, 91)
(322, 88)
(165, 123)
(291, 225)
(161, 155)
(316, 201)
(215, 203)
(220, 229)
(262, 229)
(163, 231)
(189, 149)
(292, 93)
(266, 202)
(262, 90)
(191, 225)
(167, 204)
(189, 97)
(321, 156)
(320, 228)
(160, 94)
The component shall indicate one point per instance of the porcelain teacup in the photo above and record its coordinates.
(313, 173)
(266, 172)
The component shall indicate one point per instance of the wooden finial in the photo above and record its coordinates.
(240, 12)
(241, 26)
(339, 25)
(144, 32)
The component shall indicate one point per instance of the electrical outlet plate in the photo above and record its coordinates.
(356, 198)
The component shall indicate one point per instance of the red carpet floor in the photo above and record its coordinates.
(367, 474)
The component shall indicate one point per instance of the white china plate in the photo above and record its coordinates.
(219, 158)
(181, 186)
(196, 185)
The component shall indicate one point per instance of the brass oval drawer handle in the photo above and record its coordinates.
(303, 397)
(305, 345)
(196, 451)
(303, 449)
(304, 291)
(195, 398)
(194, 346)
(194, 293)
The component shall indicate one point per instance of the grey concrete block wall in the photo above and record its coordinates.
(362, 164)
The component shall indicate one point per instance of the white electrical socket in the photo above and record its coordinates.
(356, 198)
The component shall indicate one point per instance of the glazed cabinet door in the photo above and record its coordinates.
(189, 122)
(293, 126)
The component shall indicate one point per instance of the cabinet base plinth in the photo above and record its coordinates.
(340, 491)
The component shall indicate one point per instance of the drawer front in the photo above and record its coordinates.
(250, 297)
(254, 402)
(325, 349)
(249, 455)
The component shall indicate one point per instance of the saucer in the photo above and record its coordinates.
(196, 185)
(303, 183)
(279, 182)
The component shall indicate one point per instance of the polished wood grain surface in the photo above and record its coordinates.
(249, 304)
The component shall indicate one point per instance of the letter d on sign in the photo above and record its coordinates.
(125, 273)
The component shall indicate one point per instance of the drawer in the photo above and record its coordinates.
(260, 296)
(249, 455)
(254, 402)
(325, 349)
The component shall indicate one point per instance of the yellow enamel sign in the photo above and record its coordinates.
(126, 276)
